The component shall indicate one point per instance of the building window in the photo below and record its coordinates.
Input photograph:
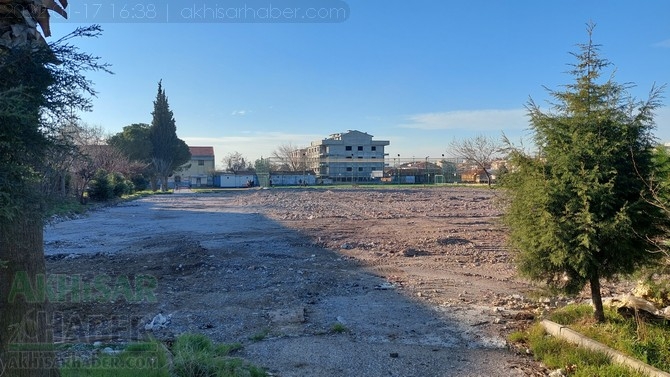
(361, 157)
(360, 169)
(373, 156)
(373, 148)
(201, 162)
(347, 148)
(360, 148)
(349, 169)
(349, 157)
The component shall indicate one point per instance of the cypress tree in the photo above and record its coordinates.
(169, 152)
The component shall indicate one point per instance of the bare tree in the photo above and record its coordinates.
(480, 151)
(92, 153)
(289, 157)
(235, 162)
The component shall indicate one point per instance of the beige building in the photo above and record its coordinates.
(199, 170)
(346, 157)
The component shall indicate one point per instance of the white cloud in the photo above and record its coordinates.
(474, 120)
(240, 113)
(663, 44)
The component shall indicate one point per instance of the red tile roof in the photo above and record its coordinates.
(202, 151)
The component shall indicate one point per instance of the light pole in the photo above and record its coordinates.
(304, 168)
(397, 172)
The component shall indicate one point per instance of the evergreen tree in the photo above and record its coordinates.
(41, 84)
(169, 152)
(577, 210)
(135, 142)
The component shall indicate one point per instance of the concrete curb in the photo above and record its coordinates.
(574, 337)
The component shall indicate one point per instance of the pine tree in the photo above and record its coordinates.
(577, 210)
(169, 152)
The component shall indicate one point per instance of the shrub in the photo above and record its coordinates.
(122, 186)
(196, 356)
(100, 188)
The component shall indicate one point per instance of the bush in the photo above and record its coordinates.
(141, 359)
(196, 356)
(105, 186)
(100, 188)
(122, 186)
(140, 182)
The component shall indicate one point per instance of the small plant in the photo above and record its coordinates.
(145, 359)
(257, 337)
(196, 356)
(338, 328)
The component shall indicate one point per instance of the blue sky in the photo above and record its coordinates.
(416, 73)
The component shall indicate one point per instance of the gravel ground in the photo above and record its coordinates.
(313, 282)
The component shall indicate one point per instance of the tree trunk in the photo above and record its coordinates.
(599, 312)
(26, 334)
(488, 177)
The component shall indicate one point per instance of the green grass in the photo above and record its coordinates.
(145, 193)
(145, 359)
(66, 207)
(70, 206)
(193, 355)
(257, 337)
(645, 341)
(338, 328)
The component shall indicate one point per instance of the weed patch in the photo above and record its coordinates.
(193, 355)
(645, 341)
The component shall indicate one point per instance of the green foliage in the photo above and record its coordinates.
(140, 182)
(196, 356)
(156, 146)
(645, 341)
(169, 152)
(257, 337)
(121, 186)
(41, 85)
(263, 165)
(577, 210)
(338, 328)
(571, 314)
(145, 359)
(100, 188)
(134, 141)
(574, 361)
(105, 186)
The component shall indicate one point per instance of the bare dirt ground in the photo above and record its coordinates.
(418, 279)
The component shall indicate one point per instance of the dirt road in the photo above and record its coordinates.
(313, 282)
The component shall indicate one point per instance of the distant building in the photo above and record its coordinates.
(235, 180)
(474, 176)
(345, 157)
(199, 170)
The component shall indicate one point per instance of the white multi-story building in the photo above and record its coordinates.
(346, 157)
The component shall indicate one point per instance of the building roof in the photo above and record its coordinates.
(201, 151)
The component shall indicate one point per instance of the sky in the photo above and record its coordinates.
(249, 75)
